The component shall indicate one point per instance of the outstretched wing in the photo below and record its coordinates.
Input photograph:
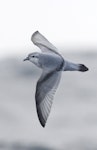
(39, 40)
(45, 90)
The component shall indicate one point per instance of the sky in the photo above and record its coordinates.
(66, 23)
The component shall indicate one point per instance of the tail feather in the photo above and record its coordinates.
(69, 66)
(83, 68)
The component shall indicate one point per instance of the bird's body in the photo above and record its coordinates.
(52, 64)
(47, 61)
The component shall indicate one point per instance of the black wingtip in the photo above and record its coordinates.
(40, 117)
(83, 68)
(42, 123)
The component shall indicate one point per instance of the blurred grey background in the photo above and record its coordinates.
(72, 27)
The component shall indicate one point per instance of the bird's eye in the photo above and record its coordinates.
(33, 56)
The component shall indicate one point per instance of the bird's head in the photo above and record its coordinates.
(33, 57)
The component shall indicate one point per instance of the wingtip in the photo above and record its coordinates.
(40, 117)
(36, 32)
(43, 123)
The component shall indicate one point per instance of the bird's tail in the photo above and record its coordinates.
(69, 66)
(82, 68)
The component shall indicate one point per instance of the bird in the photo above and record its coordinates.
(52, 64)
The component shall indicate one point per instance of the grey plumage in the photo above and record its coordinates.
(52, 64)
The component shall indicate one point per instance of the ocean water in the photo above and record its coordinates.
(72, 124)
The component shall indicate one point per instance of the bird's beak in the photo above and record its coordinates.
(27, 58)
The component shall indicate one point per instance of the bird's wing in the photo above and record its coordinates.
(45, 90)
(39, 40)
